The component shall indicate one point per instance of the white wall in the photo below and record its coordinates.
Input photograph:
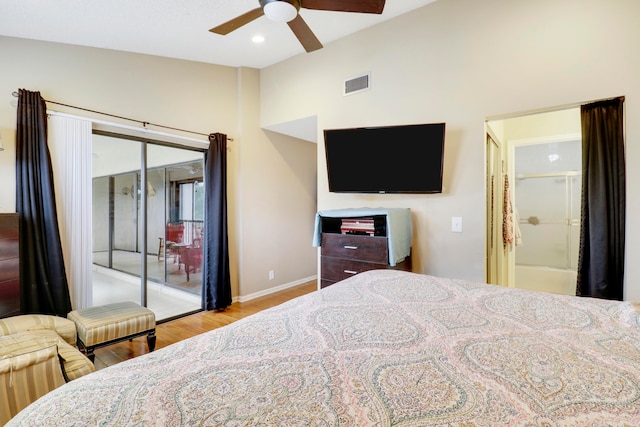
(462, 61)
(186, 95)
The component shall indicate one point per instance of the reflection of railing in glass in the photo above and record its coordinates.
(192, 230)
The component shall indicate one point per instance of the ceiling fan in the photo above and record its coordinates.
(287, 11)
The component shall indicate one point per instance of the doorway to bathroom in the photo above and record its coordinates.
(540, 176)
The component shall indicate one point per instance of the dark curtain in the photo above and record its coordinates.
(216, 281)
(43, 282)
(601, 256)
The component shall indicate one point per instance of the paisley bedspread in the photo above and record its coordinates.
(384, 348)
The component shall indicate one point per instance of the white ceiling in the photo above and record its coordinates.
(180, 28)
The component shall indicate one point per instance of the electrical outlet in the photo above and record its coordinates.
(272, 275)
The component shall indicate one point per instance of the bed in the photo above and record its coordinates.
(383, 348)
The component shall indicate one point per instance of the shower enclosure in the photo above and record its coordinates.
(547, 194)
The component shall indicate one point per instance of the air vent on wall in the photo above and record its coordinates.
(357, 84)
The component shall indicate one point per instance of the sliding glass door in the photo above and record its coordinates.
(175, 225)
(115, 220)
(147, 222)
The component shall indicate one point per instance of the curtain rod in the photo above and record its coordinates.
(144, 124)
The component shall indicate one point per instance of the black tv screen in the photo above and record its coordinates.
(389, 159)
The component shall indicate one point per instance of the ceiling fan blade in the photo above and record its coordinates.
(238, 22)
(360, 6)
(304, 34)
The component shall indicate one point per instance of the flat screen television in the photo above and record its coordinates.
(388, 159)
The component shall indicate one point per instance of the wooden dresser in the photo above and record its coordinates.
(344, 255)
(9, 265)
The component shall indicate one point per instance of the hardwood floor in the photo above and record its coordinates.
(179, 329)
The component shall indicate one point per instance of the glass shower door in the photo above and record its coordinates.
(547, 192)
(546, 226)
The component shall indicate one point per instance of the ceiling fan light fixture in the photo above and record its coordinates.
(280, 11)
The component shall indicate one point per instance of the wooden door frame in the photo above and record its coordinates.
(494, 168)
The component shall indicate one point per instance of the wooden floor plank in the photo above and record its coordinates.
(185, 327)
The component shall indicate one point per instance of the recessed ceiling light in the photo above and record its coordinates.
(257, 39)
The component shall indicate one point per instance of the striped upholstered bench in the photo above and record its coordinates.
(108, 324)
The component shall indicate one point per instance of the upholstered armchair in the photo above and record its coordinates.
(37, 354)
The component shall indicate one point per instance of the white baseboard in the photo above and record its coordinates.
(245, 298)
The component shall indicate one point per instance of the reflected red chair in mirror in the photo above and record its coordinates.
(191, 257)
(174, 234)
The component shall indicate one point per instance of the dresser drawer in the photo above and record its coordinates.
(340, 268)
(10, 269)
(9, 248)
(9, 226)
(10, 301)
(356, 247)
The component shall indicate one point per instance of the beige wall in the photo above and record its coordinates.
(186, 95)
(554, 124)
(278, 199)
(462, 61)
(457, 61)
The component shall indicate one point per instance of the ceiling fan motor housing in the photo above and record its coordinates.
(295, 3)
(280, 10)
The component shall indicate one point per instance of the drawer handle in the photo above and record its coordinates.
(351, 272)
(350, 247)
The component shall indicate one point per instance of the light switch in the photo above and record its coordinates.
(456, 224)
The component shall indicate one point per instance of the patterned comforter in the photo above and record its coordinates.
(382, 348)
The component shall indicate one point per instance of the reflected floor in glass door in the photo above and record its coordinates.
(175, 277)
(111, 286)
